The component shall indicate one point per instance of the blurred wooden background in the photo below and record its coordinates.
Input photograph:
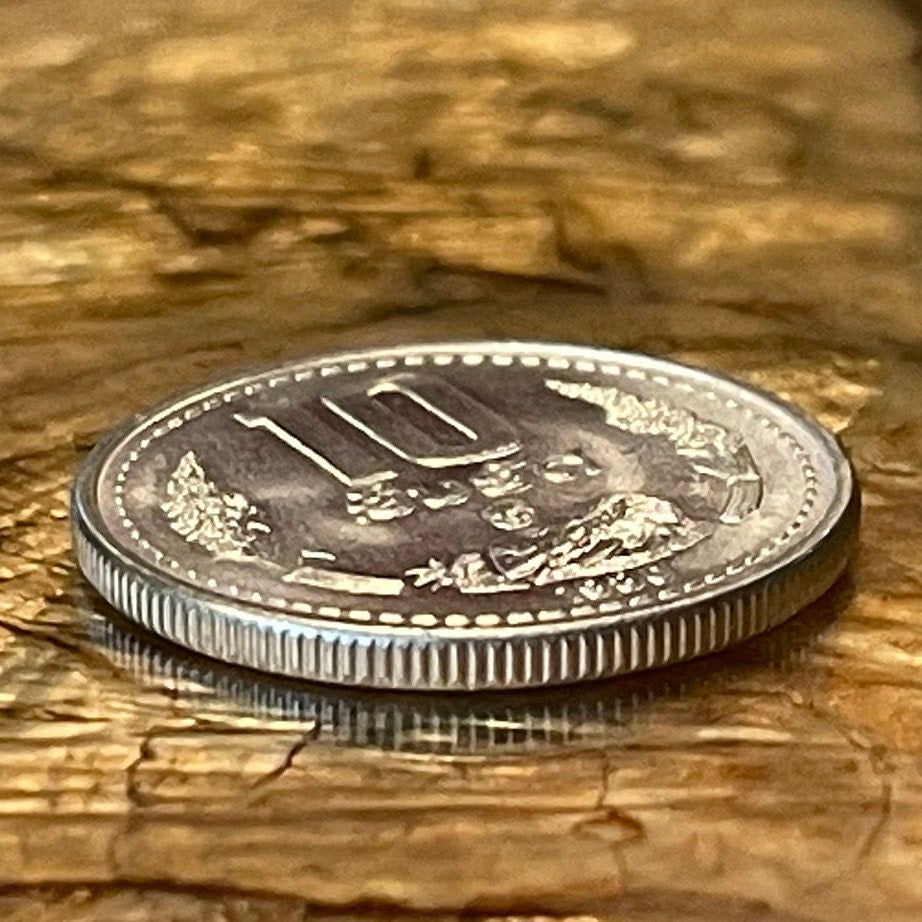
(190, 185)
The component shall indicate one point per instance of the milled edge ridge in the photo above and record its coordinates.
(422, 660)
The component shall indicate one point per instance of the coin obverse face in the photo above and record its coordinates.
(465, 516)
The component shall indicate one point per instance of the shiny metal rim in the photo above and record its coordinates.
(416, 659)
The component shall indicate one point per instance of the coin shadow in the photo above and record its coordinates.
(476, 724)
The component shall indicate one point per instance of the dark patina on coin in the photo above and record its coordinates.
(466, 516)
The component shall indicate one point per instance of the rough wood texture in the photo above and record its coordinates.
(189, 185)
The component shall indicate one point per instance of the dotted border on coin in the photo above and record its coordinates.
(458, 620)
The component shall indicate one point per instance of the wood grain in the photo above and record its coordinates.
(187, 187)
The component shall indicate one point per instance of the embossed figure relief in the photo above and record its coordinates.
(226, 524)
(416, 445)
(424, 421)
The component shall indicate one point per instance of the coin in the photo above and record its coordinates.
(465, 516)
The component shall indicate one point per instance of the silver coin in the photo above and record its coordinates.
(466, 516)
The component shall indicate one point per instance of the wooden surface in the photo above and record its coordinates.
(191, 185)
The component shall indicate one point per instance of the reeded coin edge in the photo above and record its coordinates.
(425, 660)
(455, 726)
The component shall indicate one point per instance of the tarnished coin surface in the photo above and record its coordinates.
(466, 516)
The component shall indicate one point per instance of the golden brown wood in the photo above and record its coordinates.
(190, 185)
